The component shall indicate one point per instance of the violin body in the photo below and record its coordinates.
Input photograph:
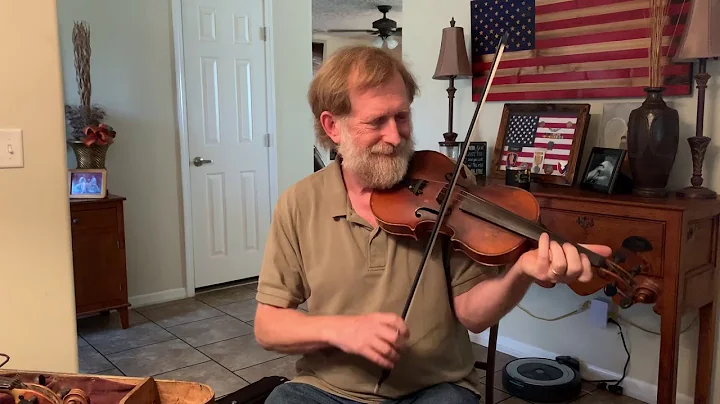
(411, 209)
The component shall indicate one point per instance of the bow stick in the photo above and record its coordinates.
(445, 203)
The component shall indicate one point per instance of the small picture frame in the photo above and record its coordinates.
(547, 138)
(476, 157)
(603, 171)
(87, 183)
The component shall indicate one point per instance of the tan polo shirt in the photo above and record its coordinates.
(320, 250)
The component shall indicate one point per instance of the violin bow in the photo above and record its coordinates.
(444, 207)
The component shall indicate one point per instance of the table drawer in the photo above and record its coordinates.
(105, 218)
(608, 230)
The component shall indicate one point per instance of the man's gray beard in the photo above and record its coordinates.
(372, 167)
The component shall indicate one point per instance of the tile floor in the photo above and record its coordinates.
(209, 339)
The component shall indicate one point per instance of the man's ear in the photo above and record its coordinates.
(331, 126)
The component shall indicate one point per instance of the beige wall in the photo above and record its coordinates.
(38, 320)
(133, 77)
(573, 336)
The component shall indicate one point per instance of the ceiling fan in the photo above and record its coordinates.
(384, 28)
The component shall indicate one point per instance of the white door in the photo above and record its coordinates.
(224, 57)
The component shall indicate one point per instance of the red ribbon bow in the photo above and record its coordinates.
(101, 135)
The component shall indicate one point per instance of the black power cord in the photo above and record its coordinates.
(603, 384)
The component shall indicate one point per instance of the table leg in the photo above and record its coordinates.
(669, 344)
(124, 317)
(705, 353)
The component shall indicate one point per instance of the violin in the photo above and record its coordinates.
(492, 224)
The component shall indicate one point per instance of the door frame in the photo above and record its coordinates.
(181, 115)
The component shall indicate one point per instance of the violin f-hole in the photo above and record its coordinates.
(418, 211)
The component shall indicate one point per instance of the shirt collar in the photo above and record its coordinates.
(339, 204)
(337, 197)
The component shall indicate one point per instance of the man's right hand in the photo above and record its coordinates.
(379, 337)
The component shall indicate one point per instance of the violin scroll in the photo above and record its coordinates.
(625, 280)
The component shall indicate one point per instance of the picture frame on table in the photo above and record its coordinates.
(603, 172)
(87, 183)
(546, 138)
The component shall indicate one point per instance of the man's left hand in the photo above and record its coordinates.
(551, 262)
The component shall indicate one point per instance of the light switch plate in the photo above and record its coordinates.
(11, 148)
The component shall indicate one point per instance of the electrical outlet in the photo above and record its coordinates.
(11, 148)
(599, 313)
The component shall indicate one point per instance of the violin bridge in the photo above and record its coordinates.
(416, 186)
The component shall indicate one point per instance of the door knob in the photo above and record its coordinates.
(198, 161)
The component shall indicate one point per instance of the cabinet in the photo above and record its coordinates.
(682, 263)
(98, 250)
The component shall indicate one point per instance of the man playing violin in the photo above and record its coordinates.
(325, 247)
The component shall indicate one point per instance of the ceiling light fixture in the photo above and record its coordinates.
(392, 43)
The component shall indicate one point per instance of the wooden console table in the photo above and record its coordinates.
(684, 236)
(98, 248)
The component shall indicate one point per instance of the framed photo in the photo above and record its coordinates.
(87, 183)
(547, 138)
(476, 157)
(603, 171)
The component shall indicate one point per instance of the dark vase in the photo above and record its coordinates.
(652, 142)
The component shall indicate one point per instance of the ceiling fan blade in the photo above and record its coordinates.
(369, 31)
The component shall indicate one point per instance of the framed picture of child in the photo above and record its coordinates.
(87, 183)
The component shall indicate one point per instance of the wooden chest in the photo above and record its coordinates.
(98, 248)
(683, 260)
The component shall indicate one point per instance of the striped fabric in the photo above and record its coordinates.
(569, 49)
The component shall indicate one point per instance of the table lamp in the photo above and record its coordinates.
(700, 42)
(452, 63)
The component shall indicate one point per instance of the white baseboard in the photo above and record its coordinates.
(634, 388)
(158, 297)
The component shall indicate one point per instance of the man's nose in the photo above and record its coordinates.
(391, 133)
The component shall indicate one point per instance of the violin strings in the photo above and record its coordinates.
(464, 196)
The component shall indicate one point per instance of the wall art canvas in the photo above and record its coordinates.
(570, 49)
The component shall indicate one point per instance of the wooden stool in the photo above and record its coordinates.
(489, 364)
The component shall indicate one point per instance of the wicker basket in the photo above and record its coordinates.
(89, 156)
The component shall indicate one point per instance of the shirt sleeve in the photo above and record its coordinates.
(466, 273)
(282, 281)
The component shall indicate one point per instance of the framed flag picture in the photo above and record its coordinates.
(576, 49)
(546, 138)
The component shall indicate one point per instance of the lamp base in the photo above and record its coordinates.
(698, 146)
(696, 193)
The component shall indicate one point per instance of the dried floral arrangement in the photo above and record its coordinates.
(86, 119)
(659, 12)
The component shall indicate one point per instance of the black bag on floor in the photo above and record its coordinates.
(254, 393)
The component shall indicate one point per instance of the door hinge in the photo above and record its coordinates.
(263, 33)
(267, 140)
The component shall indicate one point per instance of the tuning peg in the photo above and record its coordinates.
(619, 257)
(610, 290)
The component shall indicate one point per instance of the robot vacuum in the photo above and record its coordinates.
(541, 380)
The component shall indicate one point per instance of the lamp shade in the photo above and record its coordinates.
(453, 59)
(702, 32)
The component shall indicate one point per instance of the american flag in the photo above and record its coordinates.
(570, 49)
(542, 142)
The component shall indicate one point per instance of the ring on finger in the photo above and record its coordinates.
(556, 272)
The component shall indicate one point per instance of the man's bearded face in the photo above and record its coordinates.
(377, 166)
